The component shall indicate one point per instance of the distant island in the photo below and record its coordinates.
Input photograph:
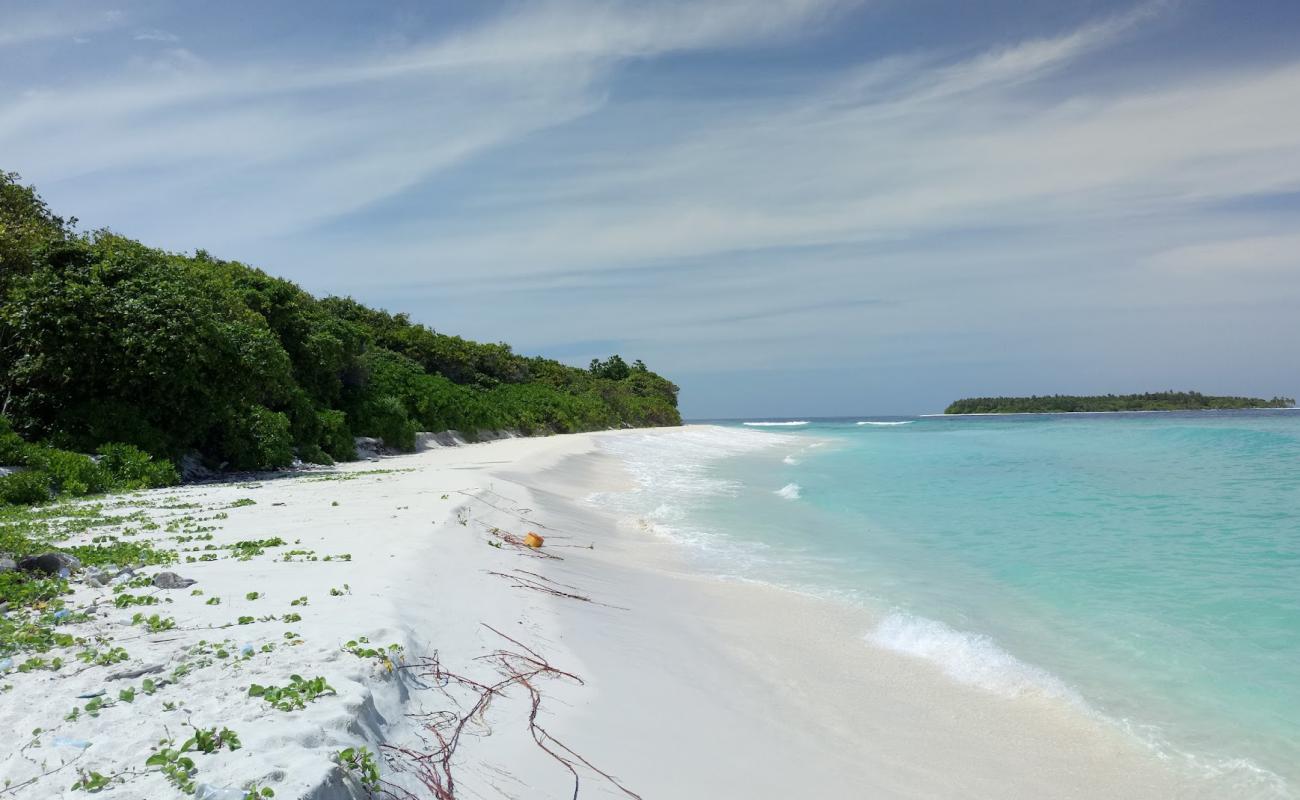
(1151, 401)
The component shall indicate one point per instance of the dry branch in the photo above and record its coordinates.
(444, 731)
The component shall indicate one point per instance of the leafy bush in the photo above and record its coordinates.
(335, 437)
(131, 468)
(386, 418)
(70, 473)
(256, 438)
(25, 488)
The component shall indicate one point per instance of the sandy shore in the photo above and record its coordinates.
(650, 680)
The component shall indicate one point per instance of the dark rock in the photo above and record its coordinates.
(170, 580)
(49, 563)
(193, 469)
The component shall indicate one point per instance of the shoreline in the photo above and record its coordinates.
(691, 686)
(865, 720)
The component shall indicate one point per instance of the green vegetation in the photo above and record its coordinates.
(49, 470)
(360, 764)
(143, 356)
(296, 695)
(1151, 401)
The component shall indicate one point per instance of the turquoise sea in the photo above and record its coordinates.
(1143, 566)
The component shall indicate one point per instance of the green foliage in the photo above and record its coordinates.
(105, 343)
(13, 450)
(245, 549)
(132, 468)
(295, 695)
(361, 764)
(177, 767)
(26, 488)
(614, 368)
(128, 600)
(154, 623)
(91, 782)
(335, 437)
(211, 740)
(255, 438)
(51, 470)
(70, 473)
(1151, 401)
(104, 658)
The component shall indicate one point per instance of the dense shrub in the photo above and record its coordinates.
(69, 473)
(255, 438)
(25, 488)
(386, 418)
(131, 468)
(336, 438)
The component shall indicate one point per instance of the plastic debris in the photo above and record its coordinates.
(6, 664)
(61, 613)
(533, 540)
(68, 741)
(246, 650)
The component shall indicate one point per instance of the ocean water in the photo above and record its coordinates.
(1145, 567)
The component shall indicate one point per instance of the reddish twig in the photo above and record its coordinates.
(523, 667)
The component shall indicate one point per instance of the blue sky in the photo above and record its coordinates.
(791, 207)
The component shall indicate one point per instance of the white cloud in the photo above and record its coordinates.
(960, 146)
(275, 146)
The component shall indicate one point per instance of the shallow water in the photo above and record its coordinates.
(1145, 567)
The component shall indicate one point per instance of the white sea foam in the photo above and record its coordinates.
(901, 422)
(790, 491)
(776, 424)
(674, 472)
(969, 658)
(791, 460)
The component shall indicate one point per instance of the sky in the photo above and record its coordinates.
(790, 207)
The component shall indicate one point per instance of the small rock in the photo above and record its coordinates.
(50, 563)
(135, 673)
(7, 565)
(170, 580)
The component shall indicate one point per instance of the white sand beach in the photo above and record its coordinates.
(690, 687)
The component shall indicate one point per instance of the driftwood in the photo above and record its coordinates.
(522, 668)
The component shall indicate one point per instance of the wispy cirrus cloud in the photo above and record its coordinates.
(273, 146)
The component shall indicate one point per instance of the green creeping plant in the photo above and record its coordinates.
(360, 763)
(295, 695)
